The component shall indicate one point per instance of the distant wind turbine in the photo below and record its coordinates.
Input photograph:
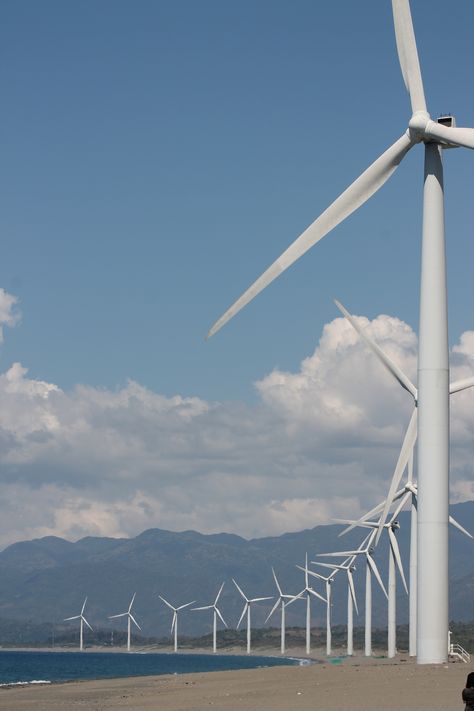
(174, 623)
(216, 614)
(81, 626)
(308, 591)
(283, 600)
(246, 611)
(130, 618)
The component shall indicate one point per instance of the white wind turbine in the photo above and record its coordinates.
(349, 567)
(433, 364)
(246, 611)
(83, 621)
(174, 623)
(328, 580)
(366, 550)
(216, 614)
(282, 601)
(308, 591)
(130, 618)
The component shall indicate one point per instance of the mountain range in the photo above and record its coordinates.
(45, 580)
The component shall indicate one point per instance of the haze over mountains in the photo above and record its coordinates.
(46, 580)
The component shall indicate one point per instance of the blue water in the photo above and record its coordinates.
(33, 667)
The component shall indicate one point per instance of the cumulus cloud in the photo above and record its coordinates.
(320, 443)
(9, 313)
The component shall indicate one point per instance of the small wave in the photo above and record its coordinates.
(302, 662)
(26, 683)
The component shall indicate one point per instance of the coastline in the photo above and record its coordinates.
(359, 683)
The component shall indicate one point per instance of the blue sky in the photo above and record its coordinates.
(157, 156)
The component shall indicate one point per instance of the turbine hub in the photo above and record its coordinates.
(418, 123)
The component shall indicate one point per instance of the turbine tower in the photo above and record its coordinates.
(130, 618)
(433, 365)
(81, 627)
(174, 623)
(246, 611)
(216, 614)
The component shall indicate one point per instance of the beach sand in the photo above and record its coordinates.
(358, 684)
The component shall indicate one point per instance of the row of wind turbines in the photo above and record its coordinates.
(387, 511)
(430, 419)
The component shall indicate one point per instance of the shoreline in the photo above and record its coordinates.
(359, 683)
(356, 682)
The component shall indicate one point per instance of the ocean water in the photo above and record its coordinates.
(51, 667)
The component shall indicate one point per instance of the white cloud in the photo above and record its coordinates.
(321, 443)
(9, 314)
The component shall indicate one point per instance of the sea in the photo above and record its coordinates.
(28, 667)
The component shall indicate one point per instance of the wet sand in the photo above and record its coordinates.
(358, 684)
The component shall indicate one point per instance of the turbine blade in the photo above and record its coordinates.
(240, 590)
(167, 603)
(76, 617)
(122, 614)
(461, 385)
(259, 599)
(386, 361)
(331, 566)
(220, 616)
(206, 607)
(352, 198)
(456, 136)
(132, 601)
(242, 615)
(84, 605)
(135, 622)
(457, 525)
(316, 594)
(181, 607)
(273, 609)
(375, 571)
(401, 504)
(339, 554)
(276, 582)
(87, 623)
(219, 593)
(396, 553)
(317, 575)
(408, 54)
(404, 456)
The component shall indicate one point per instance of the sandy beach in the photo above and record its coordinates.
(357, 684)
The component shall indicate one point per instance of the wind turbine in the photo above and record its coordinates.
(246, 611)
(433, 364)
(309, 590)
(349, 567)
(281, 602)
(81, 628)
(174, 623)
(217, 614)
(371, 569)
(328, 579)
(130, 618)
